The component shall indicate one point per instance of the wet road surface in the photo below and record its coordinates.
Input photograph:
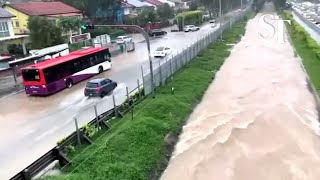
(257, 120)
(31, 126)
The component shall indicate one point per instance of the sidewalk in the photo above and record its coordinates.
(8, 86)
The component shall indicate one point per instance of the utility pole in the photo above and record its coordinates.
(146, 36)
(220, 17)
(241, 5)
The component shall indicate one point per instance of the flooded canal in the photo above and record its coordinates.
(257, 120)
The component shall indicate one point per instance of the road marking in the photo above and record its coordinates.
(46, 133)
(4, 97)
(28, 132)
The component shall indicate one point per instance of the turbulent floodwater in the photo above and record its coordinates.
(257, 121)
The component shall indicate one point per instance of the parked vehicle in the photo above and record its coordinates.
(192, 28)
(123, 39)
(50, 76)
(157, 32)
(162, 52)
(99, 87)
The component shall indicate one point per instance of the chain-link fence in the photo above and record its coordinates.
(165, 68)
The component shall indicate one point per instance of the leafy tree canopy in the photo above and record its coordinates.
(165, 12)
(44, 32)
(69, 23)
(95, 8)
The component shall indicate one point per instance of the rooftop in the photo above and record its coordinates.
(5, 14)
(61, 59)
(137, 3)
(155, 2)
(43, 8)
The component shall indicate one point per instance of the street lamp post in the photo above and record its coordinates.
(145, 35)
(220, 16)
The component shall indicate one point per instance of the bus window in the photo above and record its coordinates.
(31, 74)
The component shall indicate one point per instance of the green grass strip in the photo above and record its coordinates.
(135, 149)
(307, 48)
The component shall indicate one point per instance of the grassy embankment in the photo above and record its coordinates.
(136, 149)
(307, 48)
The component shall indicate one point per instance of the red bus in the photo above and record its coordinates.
(53, 75)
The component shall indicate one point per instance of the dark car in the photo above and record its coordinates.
(157, 32)
(99, 87)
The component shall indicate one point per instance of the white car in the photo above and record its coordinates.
(123, 39)
(213, 23)
(189, 28)
(162, 51)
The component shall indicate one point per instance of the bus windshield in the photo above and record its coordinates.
(31, 74)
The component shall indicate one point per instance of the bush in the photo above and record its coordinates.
(190, 17)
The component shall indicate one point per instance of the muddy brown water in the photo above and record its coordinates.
(257, 120)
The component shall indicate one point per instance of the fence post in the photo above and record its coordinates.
(138, 88)
(115, 108)
(171, 66)
(190, 53)
(26, 174)
(14, 73)
(176, 60)
(97, 117)
(142, 72)
(78, 131)
(127, 89)
(160, 83)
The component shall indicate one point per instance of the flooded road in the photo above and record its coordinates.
(257, 120)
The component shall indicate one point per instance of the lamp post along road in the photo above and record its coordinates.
(220, 16)
(145, 35)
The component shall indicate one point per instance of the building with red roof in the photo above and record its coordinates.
(51, 10)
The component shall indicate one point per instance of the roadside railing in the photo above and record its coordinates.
(121, 102)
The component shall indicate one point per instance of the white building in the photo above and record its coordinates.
(6, 29)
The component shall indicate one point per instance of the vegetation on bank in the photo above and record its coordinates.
(307, 48)
(136, 149)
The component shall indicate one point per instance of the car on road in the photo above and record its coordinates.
(213, 23)
(157, 32)
(99, 87)
(192, 28)
(162, 51)
(123, 39)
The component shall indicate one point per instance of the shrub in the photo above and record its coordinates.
(190, 17)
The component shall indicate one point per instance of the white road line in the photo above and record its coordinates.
(4, 97)
(28, 132)
(52, 130)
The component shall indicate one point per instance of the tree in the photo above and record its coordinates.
(193, 6)
(279, 4)
(69, 24)
(44, 33)
(97, 8)
(165, 12)
(147, 15)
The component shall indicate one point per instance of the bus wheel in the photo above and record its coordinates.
(100, 69)
(69, 83)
